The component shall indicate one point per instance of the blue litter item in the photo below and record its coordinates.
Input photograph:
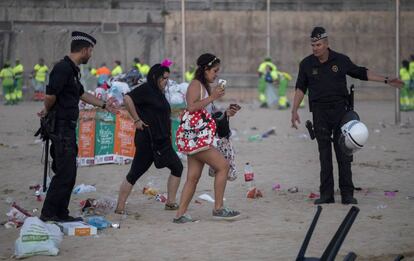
(98, 221)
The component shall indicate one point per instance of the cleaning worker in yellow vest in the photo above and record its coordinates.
(284, 79)
(40, 74)
(189, 75)
(261, 87)
(117, 69)
(93, 72)
(405, 76)
(18, 71)
(142, 67)
(411, 86)
(7, 79)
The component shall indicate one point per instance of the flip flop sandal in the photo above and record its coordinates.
(121, 212)
(173, 206)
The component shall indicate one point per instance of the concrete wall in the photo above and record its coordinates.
(239, 38)
(45, 32)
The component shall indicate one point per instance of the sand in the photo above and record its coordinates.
(270, 228)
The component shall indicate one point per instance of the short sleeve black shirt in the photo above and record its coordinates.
(65, 85)
(154, 109)
(326, 81)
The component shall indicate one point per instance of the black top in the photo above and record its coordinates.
(154, 109)
(326, 81)
(65, 85)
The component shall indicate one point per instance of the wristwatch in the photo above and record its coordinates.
(103, 105)
(386, 80)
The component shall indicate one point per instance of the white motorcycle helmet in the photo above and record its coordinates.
(354, 134)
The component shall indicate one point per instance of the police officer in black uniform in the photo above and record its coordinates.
(62, 98)
(323, 74)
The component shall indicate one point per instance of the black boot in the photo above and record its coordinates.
(349, 200)
(324, 200)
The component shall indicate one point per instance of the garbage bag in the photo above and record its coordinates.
(271, 95)
(38, 238)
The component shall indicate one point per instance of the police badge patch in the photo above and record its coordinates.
(335, 68)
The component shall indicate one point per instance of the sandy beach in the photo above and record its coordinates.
(270, 228)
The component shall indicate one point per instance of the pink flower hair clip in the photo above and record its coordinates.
(166, 63)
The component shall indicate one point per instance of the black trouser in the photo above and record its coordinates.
(63, 152)
(143, 158)
(326, 120)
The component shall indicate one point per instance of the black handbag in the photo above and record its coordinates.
(222, 124)
(162, 154)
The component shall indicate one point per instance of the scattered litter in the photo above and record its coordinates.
(38, 191)
(206, 197)
(254, 193)
(409, 197)
(293, 189)
(17, 215)
(149, 191)
(101, 206)
(256, 137)
(115, 225)
(390, 193)
(313, 195)
(272, 131)
(276, 186)
(161, 198)
(381, 206)
(377, 131)
(253, 128)
(77, 228)
(98, 221)
(82, 188)
(10, 224)
(38, 238)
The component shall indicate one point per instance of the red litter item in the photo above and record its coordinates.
(254, 193)
(313, 195)
(25, 212)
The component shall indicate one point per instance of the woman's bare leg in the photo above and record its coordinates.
(195, 167)
(217, 161)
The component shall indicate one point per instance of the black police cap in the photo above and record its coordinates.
(318, 33)
(81, 36)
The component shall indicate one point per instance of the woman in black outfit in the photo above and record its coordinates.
(151, 113)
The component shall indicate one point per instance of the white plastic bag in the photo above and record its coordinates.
(38, 238)
(82, 188)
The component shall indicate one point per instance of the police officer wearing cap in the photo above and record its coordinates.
(323, 74)
(62, 98)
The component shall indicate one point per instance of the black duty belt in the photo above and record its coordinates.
(328, 105)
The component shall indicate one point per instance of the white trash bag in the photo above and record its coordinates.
(38, 238)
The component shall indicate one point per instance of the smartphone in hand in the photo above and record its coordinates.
(235, 106)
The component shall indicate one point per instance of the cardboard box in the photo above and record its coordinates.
(77, 229)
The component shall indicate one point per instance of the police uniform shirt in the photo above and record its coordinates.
(326, 81)
(64, 84)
